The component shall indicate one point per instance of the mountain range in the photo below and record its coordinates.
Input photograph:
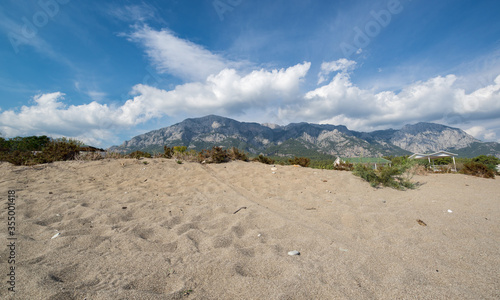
(306, 139)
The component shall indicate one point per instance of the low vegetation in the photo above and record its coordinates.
(219, 155)
(264, 159)
(396, 176)
(138, 155)
(34, 150)
(38, 150)
(301, 161)
(477, 169)
(490, 161)
(343, 166)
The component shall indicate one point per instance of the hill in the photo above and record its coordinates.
(306, 139)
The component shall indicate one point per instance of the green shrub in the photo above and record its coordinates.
(179, 153)
(264, 159)
(443, 161)
(18, 158)
(59, 150)
(393, 176)
(138, 154)
(180, 149)
(396, 176)
(490, 161)
(4, 145)
(301, 161)
(367, 173)
(23, 144)
(55, 150)
(477, 169)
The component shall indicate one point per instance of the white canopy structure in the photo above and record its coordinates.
(439, 154)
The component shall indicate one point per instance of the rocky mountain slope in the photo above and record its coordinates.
(305, 139)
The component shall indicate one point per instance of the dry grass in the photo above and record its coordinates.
(419, 170)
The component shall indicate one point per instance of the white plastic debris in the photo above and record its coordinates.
(450, 211)
(294, 252)
(55, 235)
(259, 235)
(342, 249)
(274, 169)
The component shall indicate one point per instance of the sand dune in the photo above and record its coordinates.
(155, 229)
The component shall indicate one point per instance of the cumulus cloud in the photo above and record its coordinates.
(343, 65)
(226, 93)
(342, 102)
(230, 93)
(91, 123)
(482, 133)
(215, 85)
(179, 57)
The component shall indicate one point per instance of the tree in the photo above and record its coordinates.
(489, 161)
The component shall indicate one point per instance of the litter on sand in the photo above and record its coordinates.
(420, 222)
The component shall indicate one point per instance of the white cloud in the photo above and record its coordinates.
(343, 65)
(96, 95)
(224, 93)
(227, 93)
(482, 133)
(133, 13)
(49, 116)
(216, 85)
(342, 102)
(266, 93)
(178, 57)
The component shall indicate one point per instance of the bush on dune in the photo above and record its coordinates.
(18, 158)
(138, 154)
(215, 155)
(301, 161)
(236, 154)
(264, 159)
(477, 169)
(396, 176)
(168, 152)
(61, 150)
(490, 161)
(55, 150)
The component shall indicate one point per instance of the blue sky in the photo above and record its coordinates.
(105, 71)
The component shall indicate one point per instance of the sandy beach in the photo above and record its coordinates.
(155, 229)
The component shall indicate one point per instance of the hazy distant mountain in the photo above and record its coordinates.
(305, 139)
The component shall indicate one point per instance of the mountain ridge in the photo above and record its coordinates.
(308, 139)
